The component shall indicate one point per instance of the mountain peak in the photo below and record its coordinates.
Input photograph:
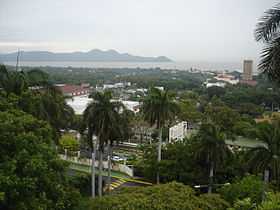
(92, 55)
(112, 51)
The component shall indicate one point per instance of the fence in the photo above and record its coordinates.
(87, 161)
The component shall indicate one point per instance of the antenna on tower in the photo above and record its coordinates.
(17, 60)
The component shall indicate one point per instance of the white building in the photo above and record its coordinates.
(79, 104)
(179, 131)
(160, 88)
(132, 105)
(108, 86)
(117, 85)
(217, 84)
(143, 90)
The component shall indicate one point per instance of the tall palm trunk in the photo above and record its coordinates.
(159, 153)
(100, 164)
(211, 174)
(109, 166)
(266, 180)
(93, 170)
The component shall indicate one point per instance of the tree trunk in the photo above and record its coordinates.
(266, 180)
(211, 177)
(159, 153)
(141, 136)
(100, 163)
(65, 154)
(93, 170)
(109, 166)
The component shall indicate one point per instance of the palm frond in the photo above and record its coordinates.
(268, 25)
(159, 107)
(270, 60)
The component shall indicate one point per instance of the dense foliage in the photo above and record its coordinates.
(32, 92)
(31, 175)
(69, 142)
(142, 78)
(248, 187)
(172, 196)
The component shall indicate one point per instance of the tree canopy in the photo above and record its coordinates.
(31, 174)
(172, 196)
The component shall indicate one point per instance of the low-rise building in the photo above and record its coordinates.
(132, 105)
(216, 84)
(179, 131)
(73, 90)
(160, 88)
(227, 78)
(117, 85)
(143, 90)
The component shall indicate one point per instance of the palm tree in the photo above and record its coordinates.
(140, 126)
(267, 31)
(89, 122)
(158, 108)
(267, 157)
(37, 77)
(53, 108)
(38, 97)
(121, 133)
(4, 77)
(50, 105)
(19, 81)
(102, 117)
(211, 147)
(12, 81)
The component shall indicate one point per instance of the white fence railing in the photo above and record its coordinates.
(87, 161)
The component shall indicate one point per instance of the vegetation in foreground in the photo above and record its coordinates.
(241, 195)
(171, 196)
(31, 175)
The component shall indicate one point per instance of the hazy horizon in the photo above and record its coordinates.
(199, 31)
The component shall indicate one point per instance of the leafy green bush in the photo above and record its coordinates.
(272, 202)
(248, 187)
(82, 182)
(172, 196)
(212, 201)
(69, 142)
(245, 204)
(31, 174)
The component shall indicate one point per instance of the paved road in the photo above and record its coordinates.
(127, 181)
(87, 169)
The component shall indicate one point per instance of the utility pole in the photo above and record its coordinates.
(17, 60)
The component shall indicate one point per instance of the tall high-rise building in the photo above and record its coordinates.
(248, 70)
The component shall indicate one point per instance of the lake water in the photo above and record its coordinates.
(163, 65)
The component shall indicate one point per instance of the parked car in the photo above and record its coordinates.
(117, 158)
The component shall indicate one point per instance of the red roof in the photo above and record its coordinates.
(249, 82)
(66, 89)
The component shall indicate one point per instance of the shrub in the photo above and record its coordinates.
(248, 187)
(272, 202)
(172, 196)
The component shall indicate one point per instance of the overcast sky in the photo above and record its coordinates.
(184, 30)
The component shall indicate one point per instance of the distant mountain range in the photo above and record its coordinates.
(93, 55)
